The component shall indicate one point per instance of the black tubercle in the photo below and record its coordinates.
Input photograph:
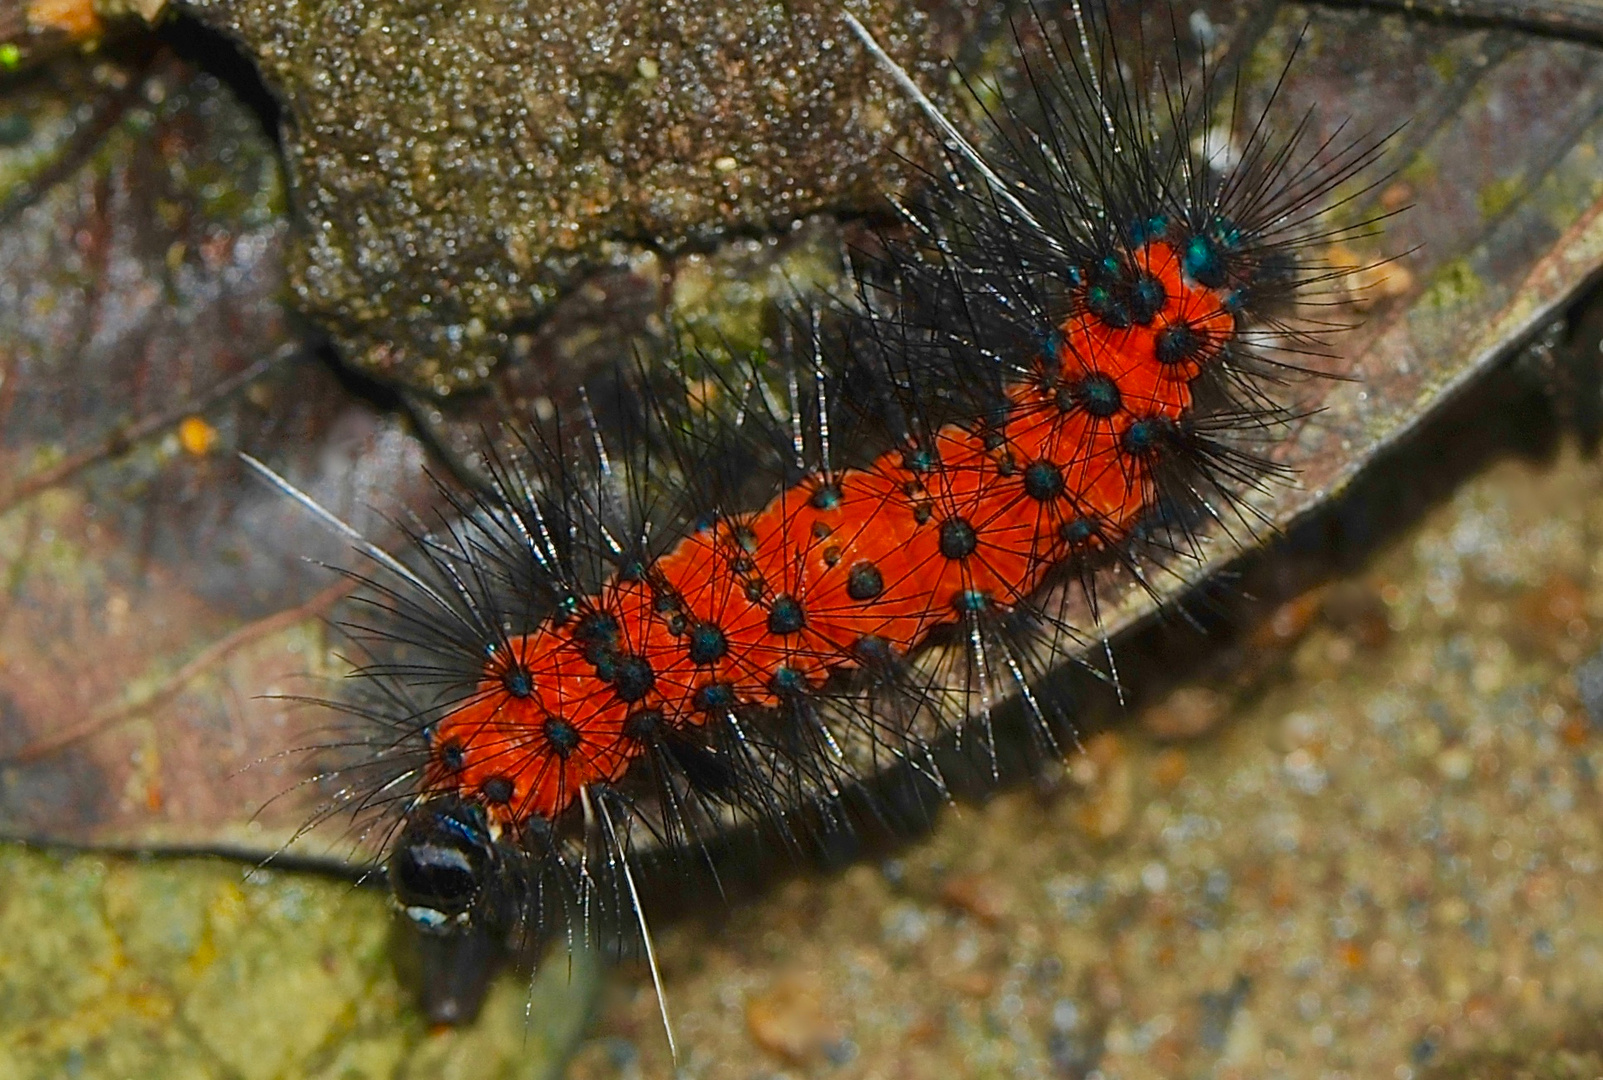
(707, 644)
(1043, 480)
(864, 581)
(632, 677)
(1095, 393)
(786, 616)
(1177, 343)
(517, 681)
(958, 539)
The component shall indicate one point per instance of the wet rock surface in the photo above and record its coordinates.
(457, 167)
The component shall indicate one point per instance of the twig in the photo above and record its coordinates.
(119, 441)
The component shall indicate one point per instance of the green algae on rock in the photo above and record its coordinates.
(456, 167)
(136, 969)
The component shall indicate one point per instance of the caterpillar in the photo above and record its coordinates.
(768, 583)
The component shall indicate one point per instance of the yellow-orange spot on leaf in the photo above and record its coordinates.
(196, 436)
(74, 17)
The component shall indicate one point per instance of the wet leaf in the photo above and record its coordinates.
(154, 593)
(144, 343)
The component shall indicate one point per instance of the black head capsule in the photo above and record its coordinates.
(441, 866)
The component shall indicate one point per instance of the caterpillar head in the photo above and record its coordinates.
(442, 865)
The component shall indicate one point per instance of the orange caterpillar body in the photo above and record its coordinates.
(763, 603)
(761, 606)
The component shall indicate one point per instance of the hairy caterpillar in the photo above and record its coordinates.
(787, 577)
